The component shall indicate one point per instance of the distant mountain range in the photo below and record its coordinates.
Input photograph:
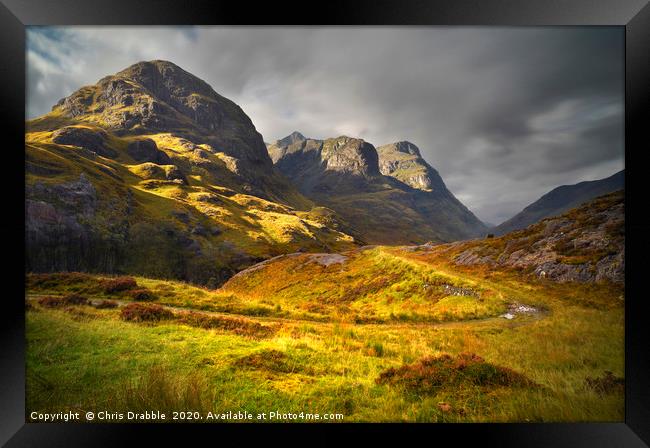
(561, 199)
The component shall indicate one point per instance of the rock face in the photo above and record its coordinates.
(59, 228)
(345, 174)
(561, 199)
(402, 160)
(586, 244)
(341, 163)
(350, 155)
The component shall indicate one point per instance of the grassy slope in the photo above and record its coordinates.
(89, 359)
(257, 227)
(371, 285)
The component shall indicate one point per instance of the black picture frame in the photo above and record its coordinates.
(633, 15)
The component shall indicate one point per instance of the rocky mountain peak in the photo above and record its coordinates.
(290, 139)
(176, 118)
(344, 174)
(165, 79)
(158, 96)
(343, 154)
(403, 161)
(351, 155)
(404, 147)
(152, 97)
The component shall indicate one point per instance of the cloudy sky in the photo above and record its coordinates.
(504, 114)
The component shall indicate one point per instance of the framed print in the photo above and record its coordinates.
(414, 218)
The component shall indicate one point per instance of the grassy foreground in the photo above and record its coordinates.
(390, 355)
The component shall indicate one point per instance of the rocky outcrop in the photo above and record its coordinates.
(145, 150)
(59, 230)
(586, 244)
(403, 161)
(350, 155)
(343, 155)
(91, 139)
(152, 171)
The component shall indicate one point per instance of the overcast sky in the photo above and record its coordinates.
(504, 114)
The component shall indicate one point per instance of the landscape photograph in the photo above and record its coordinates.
(324, 224)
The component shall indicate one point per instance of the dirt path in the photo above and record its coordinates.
(269, 319)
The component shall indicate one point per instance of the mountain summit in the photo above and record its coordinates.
(402, 160)
(159, 96)
(294, 137)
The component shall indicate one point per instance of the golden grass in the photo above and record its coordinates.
(332, 364)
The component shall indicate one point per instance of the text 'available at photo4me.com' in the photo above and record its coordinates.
(157, 416)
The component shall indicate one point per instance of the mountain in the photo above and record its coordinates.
(389, 196)
(560, 200)
(150, 171)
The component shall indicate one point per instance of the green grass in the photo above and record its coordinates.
(84, 358)
(371, 285)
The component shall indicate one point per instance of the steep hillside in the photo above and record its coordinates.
(585, 244)
(151, 172)
(345, 174)
(561, 199)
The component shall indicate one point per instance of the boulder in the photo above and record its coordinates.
(146, 150)
(172, 172)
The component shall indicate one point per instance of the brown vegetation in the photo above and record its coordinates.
(432, 373)
(145, 312)
(70, 299)
(273, 360)
(606, 384)
(238, 326)
(120, 284)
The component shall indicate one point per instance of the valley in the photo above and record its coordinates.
(218, 351)
(174, 261)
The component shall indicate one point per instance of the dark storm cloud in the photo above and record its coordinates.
(504, 114)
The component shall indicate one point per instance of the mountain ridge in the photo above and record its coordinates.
(346, 174)
(561, 199)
